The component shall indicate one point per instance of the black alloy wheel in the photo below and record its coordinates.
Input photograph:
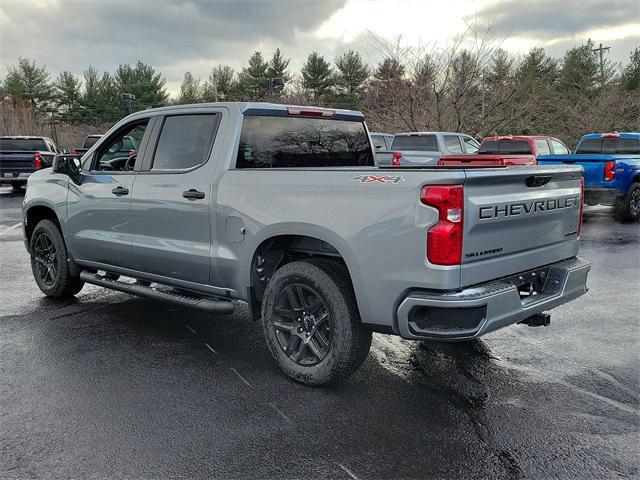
(634, 203)
(303, 325)
(46, 258)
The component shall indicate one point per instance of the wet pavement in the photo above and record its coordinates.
(113, 386)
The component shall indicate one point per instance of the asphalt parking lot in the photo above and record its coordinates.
(112, 386)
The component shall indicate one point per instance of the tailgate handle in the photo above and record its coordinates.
(537, 180)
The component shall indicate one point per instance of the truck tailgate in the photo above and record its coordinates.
(16, 162)
(516, 219)
(593, 165)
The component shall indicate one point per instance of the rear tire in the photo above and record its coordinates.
(311, 323)
(628, 207)
(49, 262)
(16, 187)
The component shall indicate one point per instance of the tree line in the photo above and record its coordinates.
(471, 86)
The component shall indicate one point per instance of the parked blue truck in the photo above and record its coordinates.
(611, 163)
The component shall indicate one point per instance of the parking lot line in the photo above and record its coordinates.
(8, 229)
(240, 377)
(211, 348)
(279, 412)
(190, 329)
(348, 472)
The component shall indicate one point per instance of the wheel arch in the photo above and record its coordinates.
(35, 214)
(276, 247)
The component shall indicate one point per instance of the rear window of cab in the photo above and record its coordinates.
(512, 147)
(609, 145)
(421, 143)
(297, 142)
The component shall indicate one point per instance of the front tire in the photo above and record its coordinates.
(628, 207)
(311, 323)
(49, 262)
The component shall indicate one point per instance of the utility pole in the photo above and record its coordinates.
(52, 122)
(601, 50)
(214, 77)
(129, 97)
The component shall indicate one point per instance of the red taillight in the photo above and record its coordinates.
(74, 152)
(610, 135)
(609, 171)
(444, 239)
(37, 160)
(581, 205)
(395, 159)
(311, 112)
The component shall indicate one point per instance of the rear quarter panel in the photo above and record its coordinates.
(378, 228)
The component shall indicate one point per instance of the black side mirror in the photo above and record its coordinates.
(69, 165)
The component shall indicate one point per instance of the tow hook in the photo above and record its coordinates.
(537, 320)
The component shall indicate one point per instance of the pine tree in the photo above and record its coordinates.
(631, 73)
(190, 90)
(352, 73)
(317, 75)
(29, 82)
(537, 69)
(254, 82)
(67, 88)
(278, 66)
(389, 70)
(580, 72)
(221, 85)
(144, 82)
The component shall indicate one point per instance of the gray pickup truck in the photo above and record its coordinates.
(426, 148)
(282, 208)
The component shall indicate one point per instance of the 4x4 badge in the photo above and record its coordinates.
(376, 179)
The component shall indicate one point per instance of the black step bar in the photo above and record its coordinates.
(207, 304)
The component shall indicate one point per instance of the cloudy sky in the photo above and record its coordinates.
(179, 35)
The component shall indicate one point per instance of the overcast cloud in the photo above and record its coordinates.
(179, 35)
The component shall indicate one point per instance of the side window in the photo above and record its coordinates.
(119, 153)
(470, 145)
(388, 141)
(378, 142)
(542, 146)
(185, 141)
(559, 148)
(452, 143)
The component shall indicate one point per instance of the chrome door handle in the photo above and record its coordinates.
(120, 190)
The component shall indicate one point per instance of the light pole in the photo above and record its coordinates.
(128, 96)
(52, 122)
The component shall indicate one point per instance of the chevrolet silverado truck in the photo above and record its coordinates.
(20, 156)
(426, 148)
(611, 163)
(282, 208)
(508, 150)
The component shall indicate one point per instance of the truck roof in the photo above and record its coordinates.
(515, 137)
(244, 106)
(613, 134)
(408, 134)
(25, 137)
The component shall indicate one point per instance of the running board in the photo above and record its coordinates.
(207, 304)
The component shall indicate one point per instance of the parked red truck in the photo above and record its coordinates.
(508, 150)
